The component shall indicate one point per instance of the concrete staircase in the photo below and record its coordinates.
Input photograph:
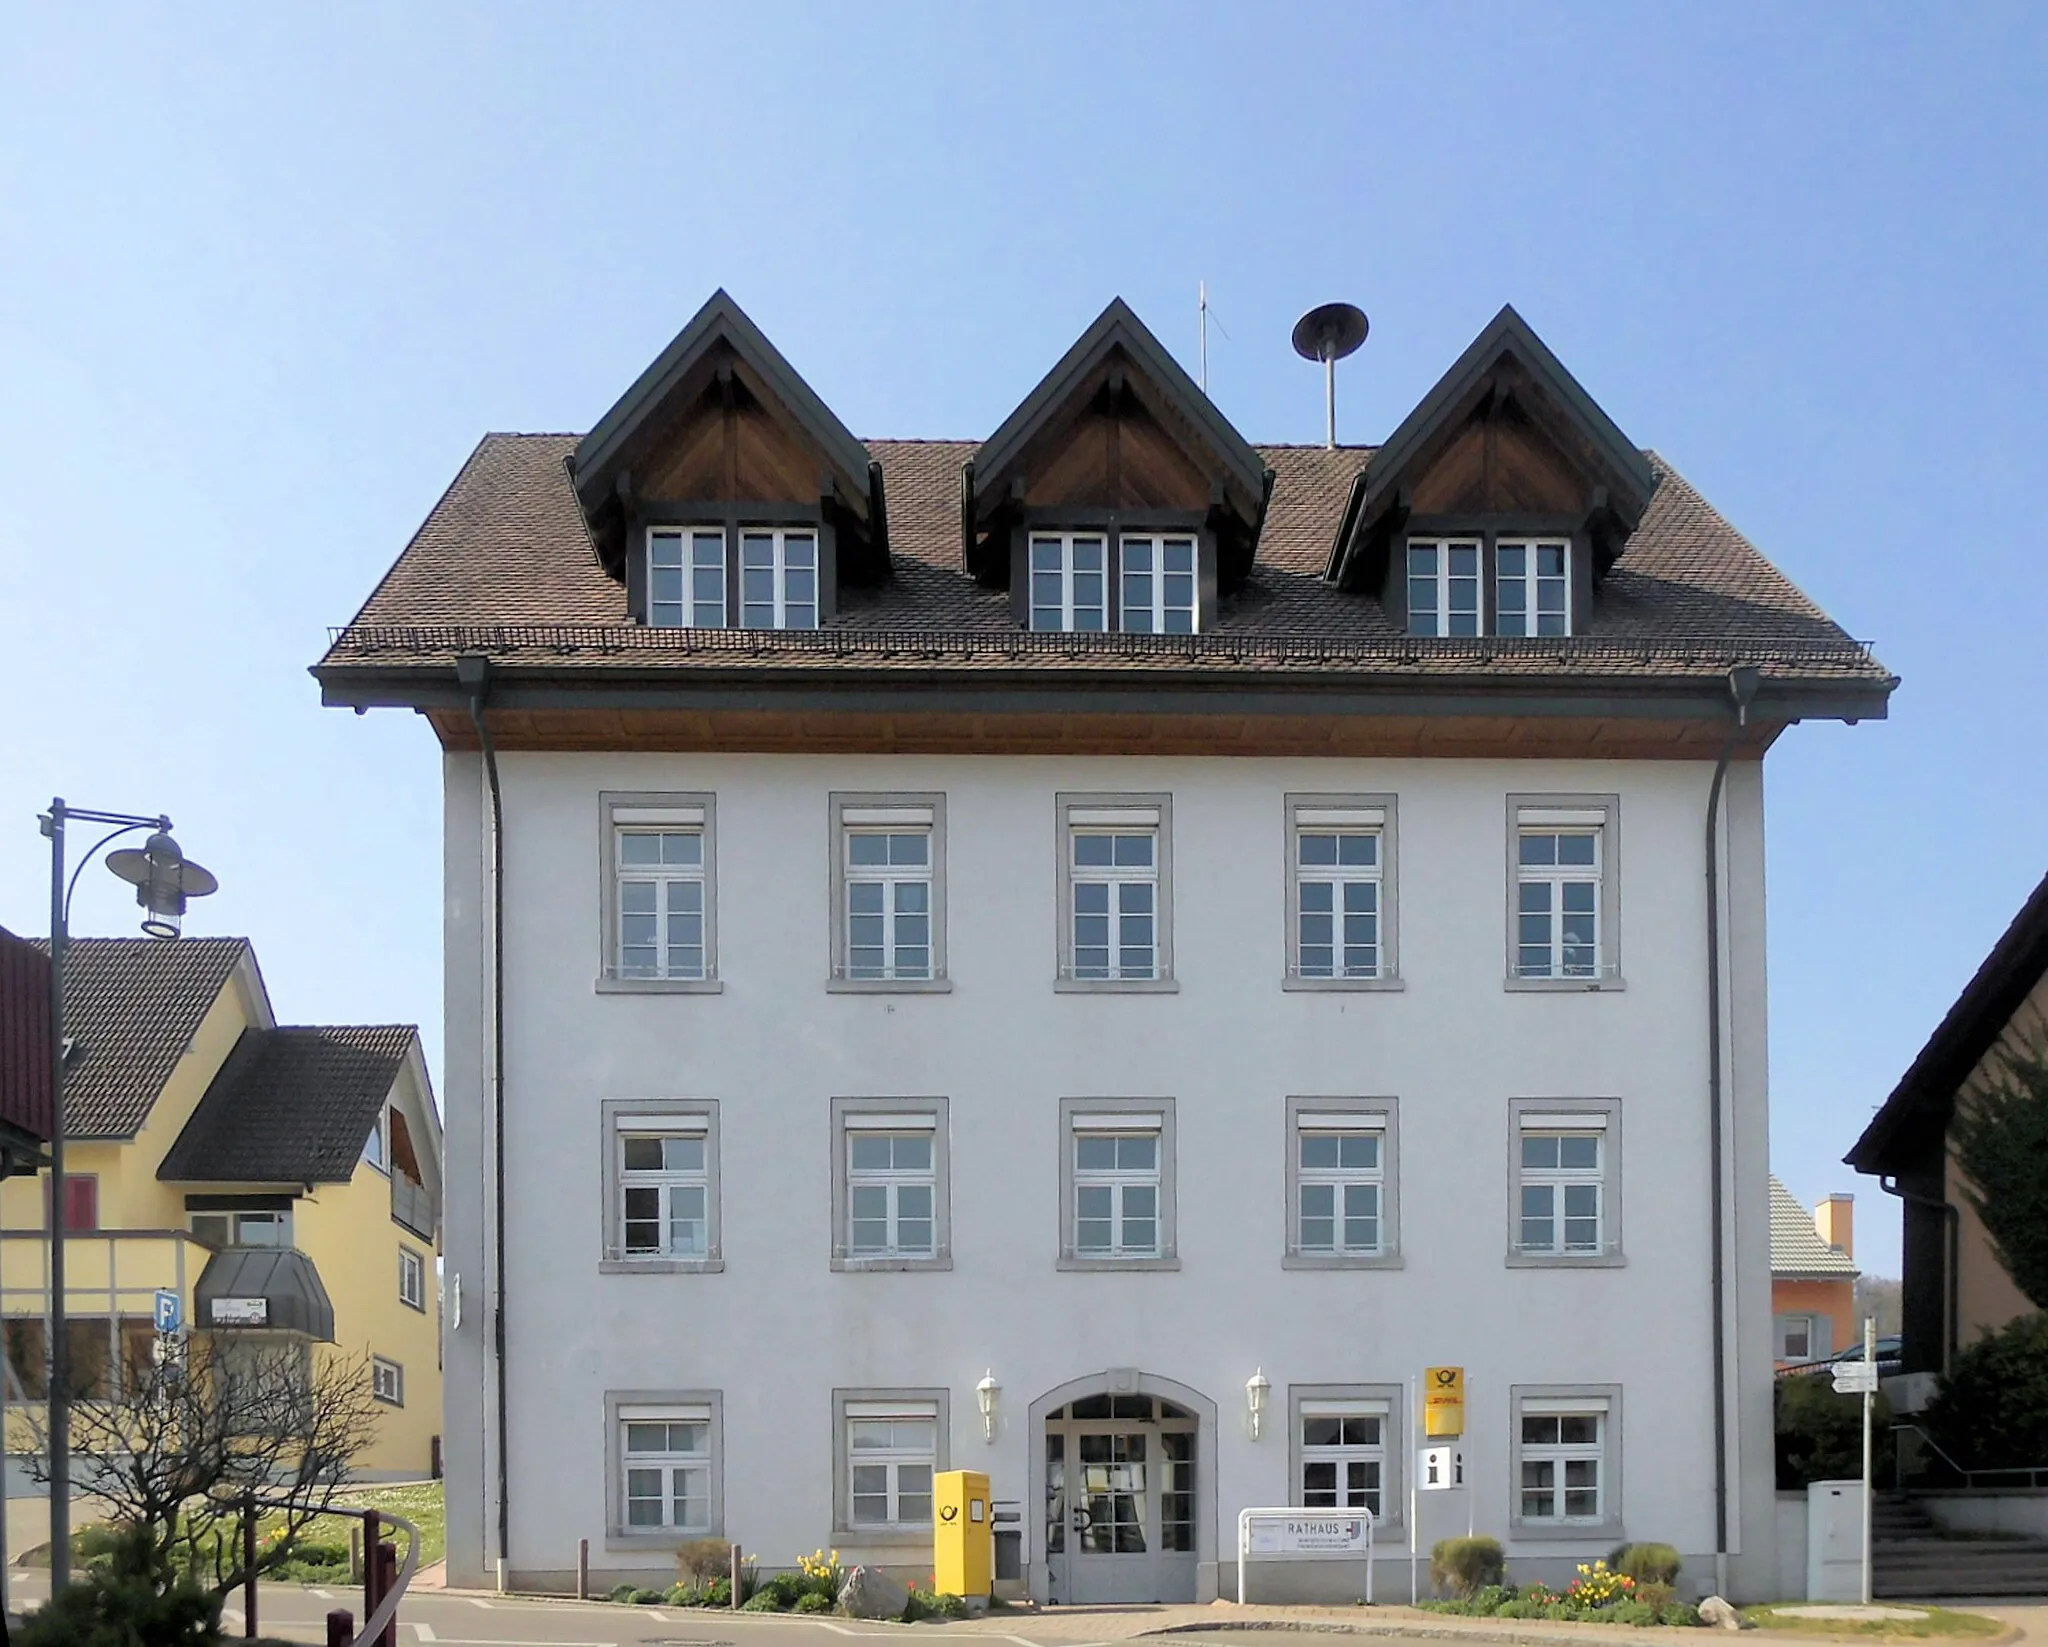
(1911, 1558)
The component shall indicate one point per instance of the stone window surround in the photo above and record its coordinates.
(1169, 1232)
(1067, 802)
(843, 1530)
(839, 803)
(1609, 1528)
(1527, 1114)
(1303, 1113)
(609, 803)
(942, 1178)
(1610, 893)
(618, 1115)
(616, 1535)
(1394, 1438)
(1389, 906)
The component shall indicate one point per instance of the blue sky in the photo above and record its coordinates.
(267, 273)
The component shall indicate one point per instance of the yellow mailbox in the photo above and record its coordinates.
(963, 1526)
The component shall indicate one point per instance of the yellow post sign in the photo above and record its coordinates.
(1443, 1401)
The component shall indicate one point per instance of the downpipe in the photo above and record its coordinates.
(473, 673)
(1743, 680)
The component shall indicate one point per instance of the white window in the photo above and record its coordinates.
(686, 577)
(665, 1473)
(1337, 868)
(1116, 1194)
(387, 1381)
(1561, 1461)
(1158, 588)
(892, 1193)
(412, 1279)
(778, 578)
(1113, 870)
(1803, 1337)
(661, 902)
(891, 1453)
(373, 1146)
(1443, 586)
(1342, 1455)
(888, 900)
(1557, 899)
(1563, 1188)
(1341, 1182)
(1532, 586)
(664, 1188)
(1069, 581)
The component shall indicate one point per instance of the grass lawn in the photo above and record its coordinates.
(422, 1503)
(1940, 1623)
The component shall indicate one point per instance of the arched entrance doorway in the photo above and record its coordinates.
(1125, 1487)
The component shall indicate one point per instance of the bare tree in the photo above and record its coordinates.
(187, 1440)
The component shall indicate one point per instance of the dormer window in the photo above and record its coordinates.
(1152, 576)
(1448, 578)
(692, 578)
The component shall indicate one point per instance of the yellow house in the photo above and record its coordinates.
(283, 1181)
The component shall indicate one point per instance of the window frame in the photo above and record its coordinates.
(380, 1365)
(1315, 1114)
(1302, 812)
(1531, 543)
(1527, 1400)
(852, 1115)
(1819, 1335)
(1156, 607)
(728, 520)
(688, 532)
(1490, 531)
(1530, 811)
(1067, 538)
(1303, 1400)
(1073, 810)
(627, 809)
(620, 1116)
(845, 810)
(844, 1402)
(1113, 526)
(1442, 543)
(778, 571)
(414, 1262)
(1544, 1115)
(1106, 1113)
(684, 1404)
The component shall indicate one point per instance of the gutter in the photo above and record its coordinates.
(1742, 684)
(473, 674)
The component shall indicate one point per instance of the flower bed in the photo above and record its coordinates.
(1599, 1595)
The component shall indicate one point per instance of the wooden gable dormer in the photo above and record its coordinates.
(720, 433)
(1115, 439)
(1507, 446)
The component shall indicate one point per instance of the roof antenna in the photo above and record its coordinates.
(1328, 333)
(1202, 309)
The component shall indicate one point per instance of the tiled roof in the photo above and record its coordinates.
(505, 565)
(290, 1105)
(1796, 1247)
(131, 1008)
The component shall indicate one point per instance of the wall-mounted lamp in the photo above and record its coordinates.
(1256, 1388)
(986, 1392)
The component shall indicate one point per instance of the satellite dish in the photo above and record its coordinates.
(1328, 333)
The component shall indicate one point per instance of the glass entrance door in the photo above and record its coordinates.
(1120, 1495)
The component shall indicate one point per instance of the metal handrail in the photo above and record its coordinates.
(2031, 1474)
(386, 1609)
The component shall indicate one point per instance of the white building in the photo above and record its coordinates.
(1179, 1028)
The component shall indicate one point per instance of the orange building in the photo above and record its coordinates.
(1813, 1277)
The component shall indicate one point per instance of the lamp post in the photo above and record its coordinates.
(163, 878)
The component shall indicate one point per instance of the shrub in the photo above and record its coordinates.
(704, 1559)
(1992, 1408)
(1647, 1563)
(649, 1598)
(1820, 1433)
(762, 1600)
(814, 1603)
(125, 1599)
(1655, 1592)
(932, 1604)
(623, 1592)
(1465, 1566)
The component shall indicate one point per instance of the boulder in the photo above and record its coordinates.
(1721, 1615)
(871, 1593)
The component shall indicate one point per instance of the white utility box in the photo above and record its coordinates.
(1834, 1541)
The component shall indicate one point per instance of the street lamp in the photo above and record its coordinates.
(163, 878)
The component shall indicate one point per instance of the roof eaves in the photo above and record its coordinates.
(1970, 1028)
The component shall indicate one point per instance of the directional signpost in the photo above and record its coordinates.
(1860, 1378)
